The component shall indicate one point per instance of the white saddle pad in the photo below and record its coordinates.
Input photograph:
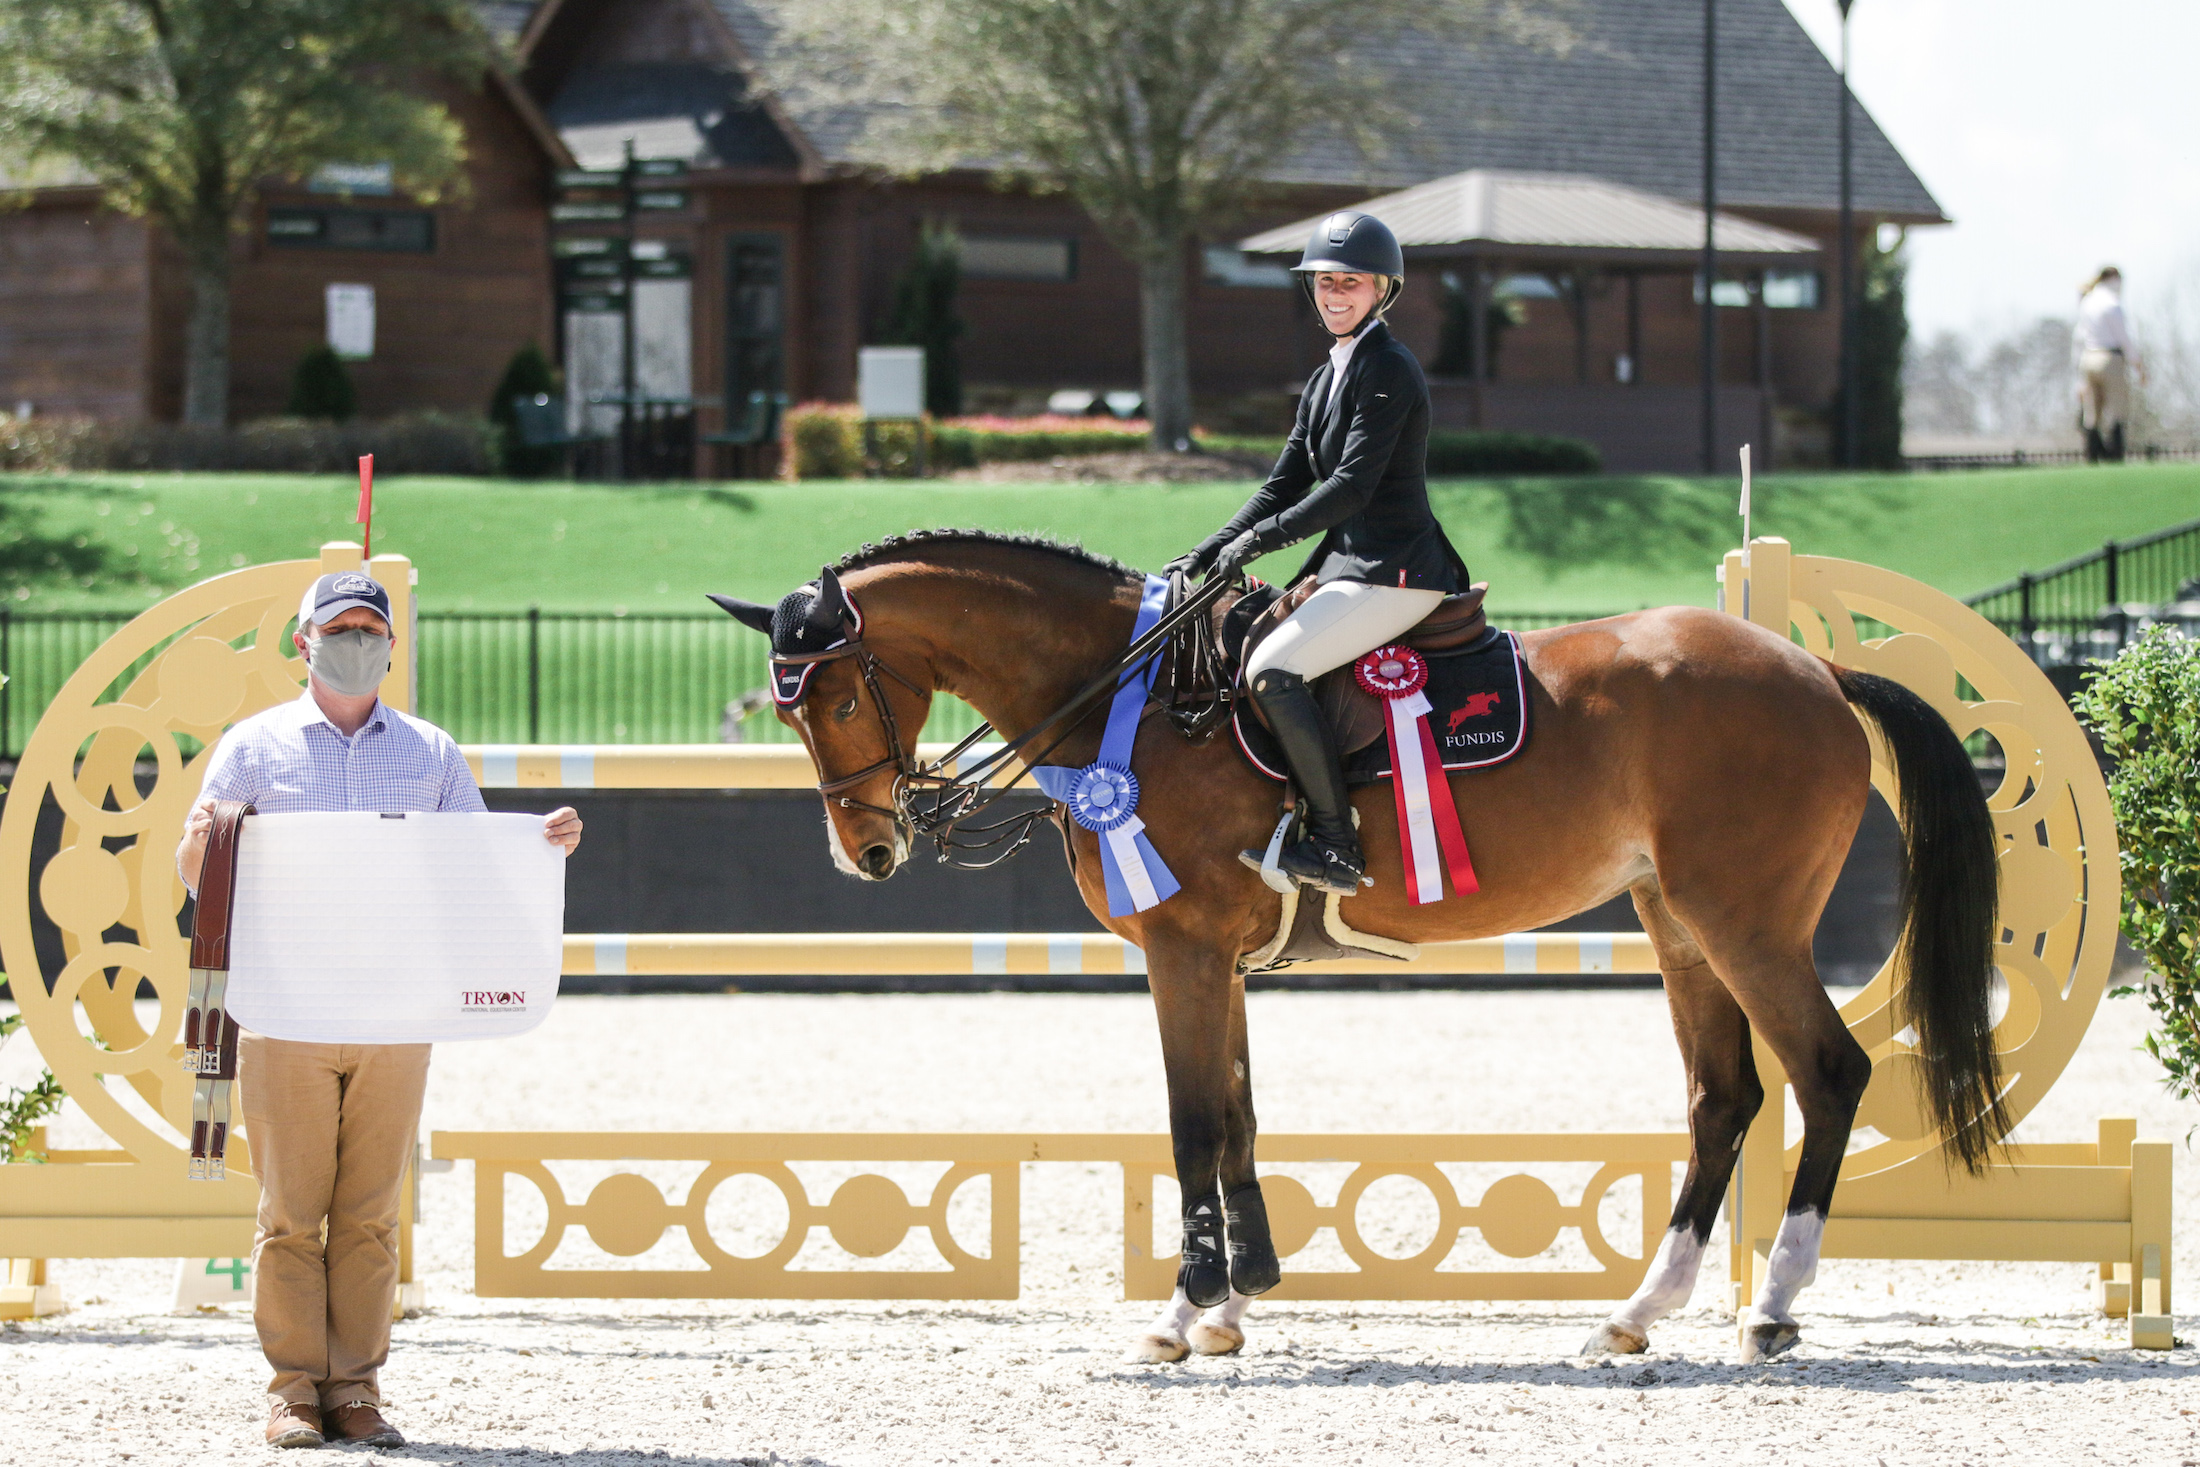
(395, 929)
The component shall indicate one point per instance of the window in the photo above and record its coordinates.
(1011, 257)
(1725, 293)
(1226, 265)
(1791, 290)
(1526, 288)
(1785, 290)
(406, 230)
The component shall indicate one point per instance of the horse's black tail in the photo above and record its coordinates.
(1949, 914)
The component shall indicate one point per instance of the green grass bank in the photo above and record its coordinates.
(1603, 544)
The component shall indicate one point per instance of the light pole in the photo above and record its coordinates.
(1708, 351)
(1845, 392)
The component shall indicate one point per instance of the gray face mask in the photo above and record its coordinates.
(352, 663)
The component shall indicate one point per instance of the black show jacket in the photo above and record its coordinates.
(1354, 471)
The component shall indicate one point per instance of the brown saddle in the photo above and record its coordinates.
(1355, 716)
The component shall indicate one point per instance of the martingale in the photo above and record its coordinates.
(209, 1033)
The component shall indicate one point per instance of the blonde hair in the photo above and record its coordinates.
(2104, 274)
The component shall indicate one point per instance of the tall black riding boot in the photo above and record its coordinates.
(1328, 859)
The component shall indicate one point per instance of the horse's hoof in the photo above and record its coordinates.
(1159, 1349)
(1613, 1338)
(1767, 1338)
(1215, 1339)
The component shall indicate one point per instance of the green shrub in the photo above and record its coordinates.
(2145, 708)
(822, 440)
(321, 387)
(410, 443)
(528, 375)
(1460, 453)
(1457, 453)
(968, 442)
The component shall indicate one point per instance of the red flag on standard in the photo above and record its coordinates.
(366, 501)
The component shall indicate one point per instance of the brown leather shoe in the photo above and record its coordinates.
(361, 1421)
(292, 1425)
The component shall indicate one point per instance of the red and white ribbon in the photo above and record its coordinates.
(1429, 835)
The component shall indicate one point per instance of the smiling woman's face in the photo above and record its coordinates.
(1343, 299)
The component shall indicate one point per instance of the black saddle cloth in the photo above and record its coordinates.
(1480, 699)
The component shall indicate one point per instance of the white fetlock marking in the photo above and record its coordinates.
(1793, 1266)
(1229, 1313)
(1178, 1316)
(1667, 1285)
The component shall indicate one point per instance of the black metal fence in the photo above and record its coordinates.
(2093, 605)
(526, 677)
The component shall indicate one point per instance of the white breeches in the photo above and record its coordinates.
(1339, 622)
(2104, 390)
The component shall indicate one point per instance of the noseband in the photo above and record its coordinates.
(956, 797)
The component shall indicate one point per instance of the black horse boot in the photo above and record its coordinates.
(1328, 859)
(1204, 1273)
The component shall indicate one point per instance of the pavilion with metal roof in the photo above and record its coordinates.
(1580, 235)
(1554, 218)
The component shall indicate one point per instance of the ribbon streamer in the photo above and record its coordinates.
(1103, 796)
(1429, 834)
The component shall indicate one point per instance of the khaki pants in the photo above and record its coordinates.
(331, 1127)
(2104, 391)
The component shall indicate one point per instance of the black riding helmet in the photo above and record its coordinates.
(1361, 244)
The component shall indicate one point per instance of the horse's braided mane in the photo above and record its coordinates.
(916, 540)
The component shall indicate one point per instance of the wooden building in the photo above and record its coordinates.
(93, 303)
(770, 256)
(793, 247)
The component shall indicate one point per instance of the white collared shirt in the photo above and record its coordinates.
(1340, 357)
(290, 758)
(2101, 324)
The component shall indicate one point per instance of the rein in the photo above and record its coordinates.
(959, 795)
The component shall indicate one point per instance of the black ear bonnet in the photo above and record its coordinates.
(809, 620)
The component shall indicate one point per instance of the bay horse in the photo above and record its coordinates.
(1712, 770)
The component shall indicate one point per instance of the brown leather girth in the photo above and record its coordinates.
(209, 1034)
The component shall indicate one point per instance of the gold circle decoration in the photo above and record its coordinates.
(2061, 889)
(181, 670)
(625, 1214)
(869, 1215)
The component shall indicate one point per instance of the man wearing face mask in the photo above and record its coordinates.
(332, 1125)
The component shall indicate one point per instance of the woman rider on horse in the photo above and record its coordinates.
(1353, 472)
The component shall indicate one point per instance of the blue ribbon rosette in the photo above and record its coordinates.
(1103, 796)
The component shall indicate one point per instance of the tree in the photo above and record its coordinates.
(1163, 118)
(924, 315)
(321, 387)
(182, 108)
(528, 375)
(1882, 340)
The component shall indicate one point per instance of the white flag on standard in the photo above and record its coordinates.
(395, 929)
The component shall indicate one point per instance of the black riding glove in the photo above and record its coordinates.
(1240, 552)
(1190, 563)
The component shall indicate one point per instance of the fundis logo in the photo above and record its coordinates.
(492, 1001)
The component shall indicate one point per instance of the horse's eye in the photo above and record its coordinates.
(845, 711)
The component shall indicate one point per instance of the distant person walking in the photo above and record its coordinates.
(2105, 355)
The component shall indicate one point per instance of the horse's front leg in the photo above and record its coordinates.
(1254, 1267)
(1199, 1001)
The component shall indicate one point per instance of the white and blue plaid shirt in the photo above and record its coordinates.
(291, 760)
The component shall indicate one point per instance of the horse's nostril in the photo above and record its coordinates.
(877, 860)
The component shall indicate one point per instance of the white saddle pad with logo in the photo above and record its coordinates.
(395, 929)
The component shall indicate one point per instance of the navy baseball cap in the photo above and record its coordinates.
(330, 596)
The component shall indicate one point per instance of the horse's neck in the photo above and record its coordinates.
(1016, 647)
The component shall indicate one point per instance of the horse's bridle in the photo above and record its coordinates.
(958, 796)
